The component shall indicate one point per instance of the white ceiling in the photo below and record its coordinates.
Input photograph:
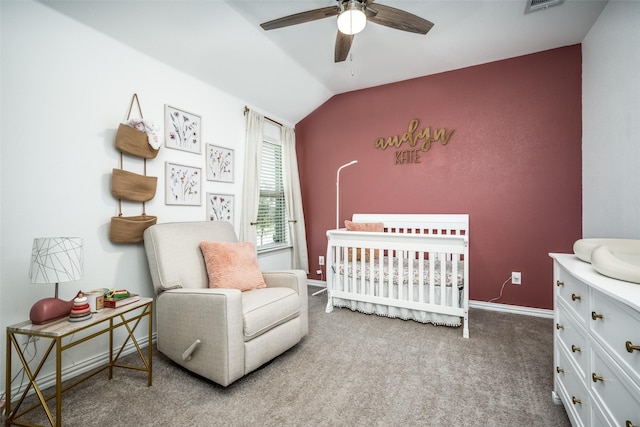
(290, 71)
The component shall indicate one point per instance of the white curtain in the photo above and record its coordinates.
(300, 259)
(251, 191)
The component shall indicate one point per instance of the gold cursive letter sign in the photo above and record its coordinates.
(414, 137)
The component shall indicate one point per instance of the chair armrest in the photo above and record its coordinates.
(296, 280)
(213, 316)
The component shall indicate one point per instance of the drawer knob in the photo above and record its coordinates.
(596, 316)
(559, 326)
(630, 347)
(559, 283)
(559, 370)
(575, 297)
(596, 378)
(575, 401)
(574, 348)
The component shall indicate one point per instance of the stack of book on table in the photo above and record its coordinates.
(118, 298)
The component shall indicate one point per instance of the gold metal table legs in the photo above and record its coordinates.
(107, 321)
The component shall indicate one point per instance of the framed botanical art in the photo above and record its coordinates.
(182, 130)
(220, 163)
(182, 184)
(220, 207)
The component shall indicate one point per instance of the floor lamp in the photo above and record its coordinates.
(352, 162)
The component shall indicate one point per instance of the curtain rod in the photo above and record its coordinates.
(246, 110)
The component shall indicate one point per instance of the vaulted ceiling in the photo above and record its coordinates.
(288, 72)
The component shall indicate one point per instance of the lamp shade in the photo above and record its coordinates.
(56, 260)
(351, 19)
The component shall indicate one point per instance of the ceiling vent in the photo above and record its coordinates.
(534, 5)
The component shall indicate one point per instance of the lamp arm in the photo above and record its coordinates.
(352, 162)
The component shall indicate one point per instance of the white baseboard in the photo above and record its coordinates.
(514, 309)
(317, 283)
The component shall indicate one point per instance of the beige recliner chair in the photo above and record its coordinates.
(221, 334)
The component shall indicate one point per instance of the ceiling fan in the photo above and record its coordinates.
(352, 18)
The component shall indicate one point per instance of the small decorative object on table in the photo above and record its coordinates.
(115, 298)
(81, 310)
(96, 299)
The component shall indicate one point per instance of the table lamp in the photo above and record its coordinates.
(54, 260)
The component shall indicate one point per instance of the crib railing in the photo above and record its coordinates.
(443, 224)
(415, 275)
(399, 269)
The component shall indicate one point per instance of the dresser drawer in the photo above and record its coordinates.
(619, 395)
(617, 326)
(597, 417)
(572, 391)
(574, 293)
(572, 338)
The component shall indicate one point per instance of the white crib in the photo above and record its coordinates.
(417, 268)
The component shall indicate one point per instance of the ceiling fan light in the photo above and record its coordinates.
(352, 19)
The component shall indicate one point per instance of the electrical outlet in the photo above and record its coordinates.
(516, 278)
(318, 272)
(321, 260)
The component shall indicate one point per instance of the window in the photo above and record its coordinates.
(272, 225)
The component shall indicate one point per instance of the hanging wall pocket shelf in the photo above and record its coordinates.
(131, 186)
(133, 141)
(130, 229)
(126, 185)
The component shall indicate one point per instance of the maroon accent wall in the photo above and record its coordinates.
(513, 163)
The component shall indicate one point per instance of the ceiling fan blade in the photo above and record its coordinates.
(400, 20)
(343, 45)
(301, 18)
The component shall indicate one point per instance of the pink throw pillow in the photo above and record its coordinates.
(232, 265)
(363, 226)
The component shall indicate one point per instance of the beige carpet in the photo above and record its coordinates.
(352, 369)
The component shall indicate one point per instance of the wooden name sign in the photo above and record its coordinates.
(418, 141)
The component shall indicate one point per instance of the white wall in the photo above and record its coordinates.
(65, 88)
(611, 123)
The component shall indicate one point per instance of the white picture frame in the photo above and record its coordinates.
(182, 130)
(220, 163)
(183, 184)
(220, 207)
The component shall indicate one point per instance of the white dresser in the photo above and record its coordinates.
(596, 345)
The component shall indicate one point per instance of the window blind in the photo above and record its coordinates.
(271, 226)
